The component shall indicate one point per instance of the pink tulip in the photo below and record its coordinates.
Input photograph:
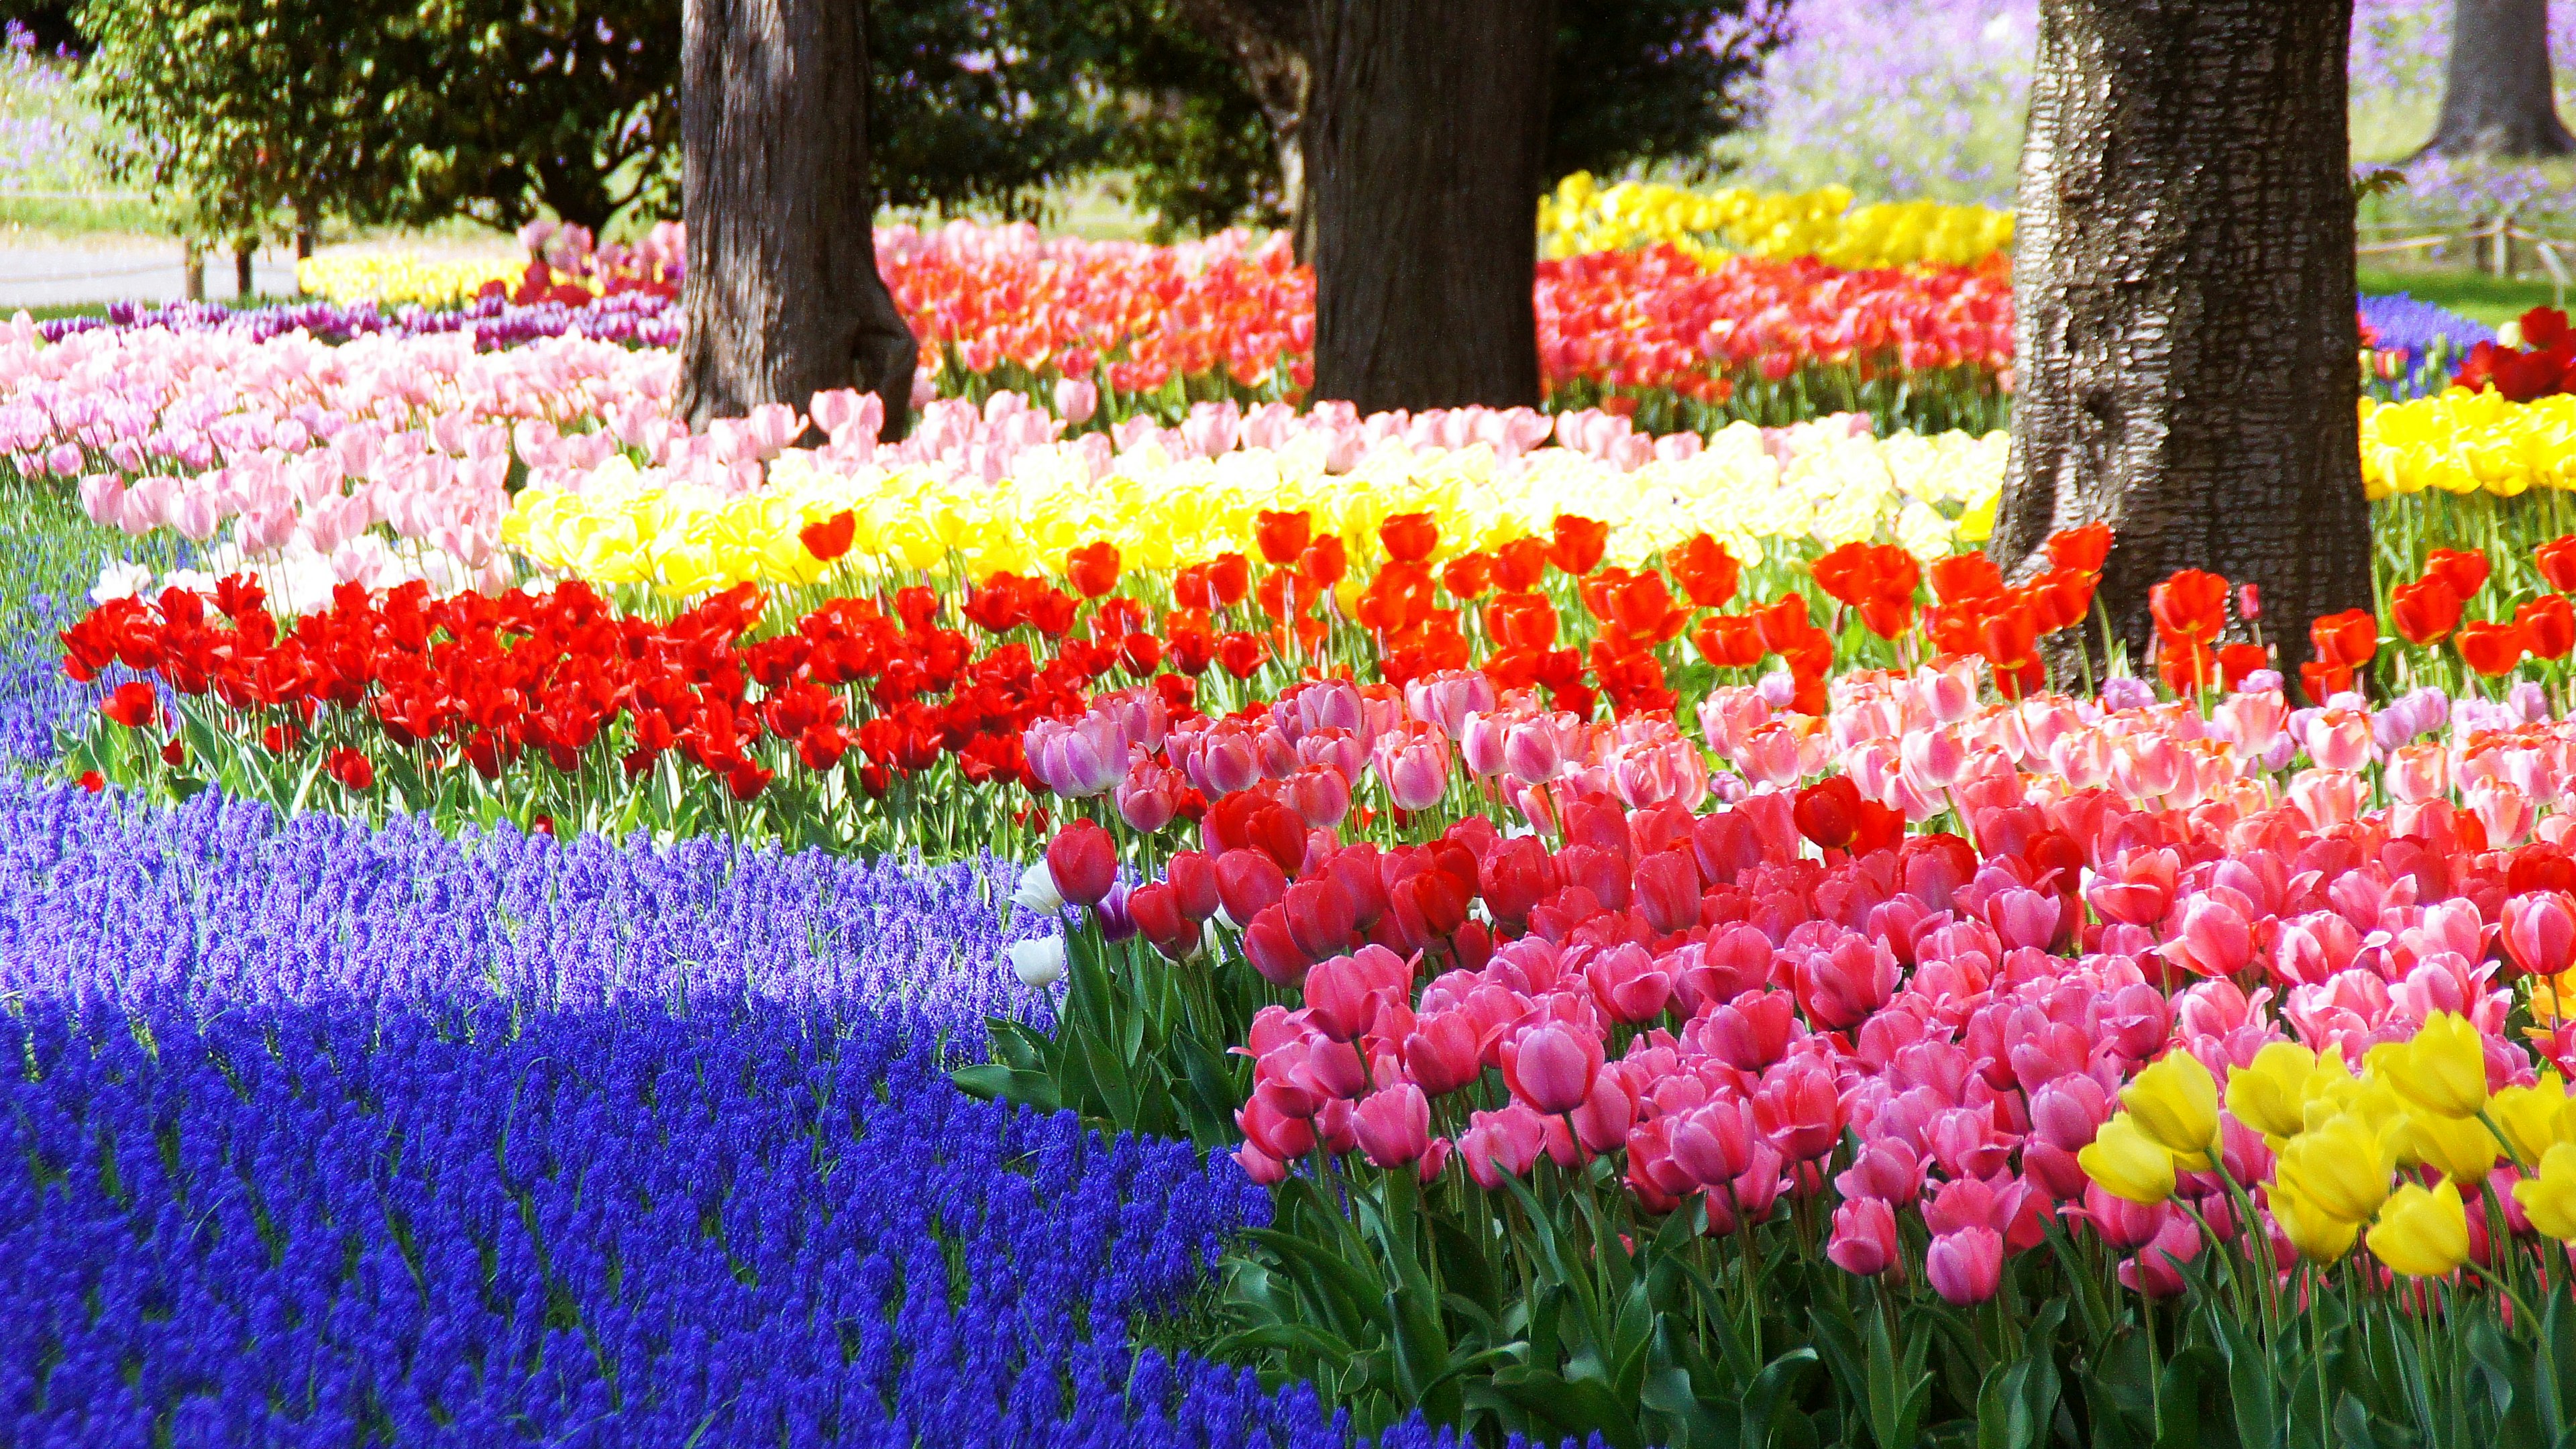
(1839, 988)
(1628, 983)
(1413, 764)
(1886, 1169)
(2540, 931)
(2339, 739)
(1394, 1125)
(1966, 1266)
(1551, 1066)
(2215, 939)
(1864, 1238)
(1800, 1109)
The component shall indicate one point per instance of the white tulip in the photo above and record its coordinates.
(1036, 892)
(1039, 963)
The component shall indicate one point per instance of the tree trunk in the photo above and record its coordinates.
(1269, 40)
(783, 298)
(2497, 99)
(2184, 290)
(1424, 140)
(243, 253)
(192, 271)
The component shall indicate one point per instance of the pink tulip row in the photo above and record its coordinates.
(385, 459)
(1717, 999)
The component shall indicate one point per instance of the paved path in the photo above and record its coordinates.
(40, 276)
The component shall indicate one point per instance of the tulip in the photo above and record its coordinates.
(2540, 931)
(2442, 1070)
(1194, 882)
(2342, 1167)
(2319, 1236)
(2549, 1196)
(1841, 987)
(1394, 1125)
(2422, 1233)
(1629, 985)
(1966, 1266)
(1039, 962)
(1271, 950)
(1714, 1143)
(1036, 892)
(1247, 883)
(2175, 1103)
(2530, 1119)
(2270, 1093)
(1084, 861)
(2124, 1226)
(1442, 1053)
(1413, 764)
(1864, 1239)
(1551, 1066)
(1799, 1110)
(1321, 916)
(2128, 1163)
(1886, 1169)
(2461, 1149)
(1668, 890)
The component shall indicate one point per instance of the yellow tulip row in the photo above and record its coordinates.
(621, 524)
(1585, 216)
(2464, 442)
(394, 278)
(2339, 1140)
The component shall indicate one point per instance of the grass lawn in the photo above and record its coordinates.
(2472, 294)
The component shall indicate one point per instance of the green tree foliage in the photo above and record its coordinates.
(1635, 82)
(981, 104)
(1646, 81)
(512, 104)
(240, 109)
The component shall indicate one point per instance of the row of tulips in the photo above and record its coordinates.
(2083, 1039)
(859, 698)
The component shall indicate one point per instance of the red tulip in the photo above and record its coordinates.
(2191, 605)
(2492, 649)
(1156, 909)
(1084, 861)
(2348, 638)
(133, 704)
(2425, 611)
(830, 538)
(1707, 573)
(1576, 544)
(1093, 568)
(2465, 571)
(1270, 949)
(1409, 537)
(1282, 536)
(1828, 812)
(2083, 548)
(1194, 881)
(2557, 562)
(2549, 625)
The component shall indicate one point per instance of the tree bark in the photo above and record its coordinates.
(2498, 97)
(243, 252)
(1269, 40)
(2184, 285)
(1425, 135)
(783, 298)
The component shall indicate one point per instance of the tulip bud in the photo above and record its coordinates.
(1084, 861)
(1864, 1240)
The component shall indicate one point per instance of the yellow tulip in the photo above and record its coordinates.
(2270, 1093)
(2548, 1198)
(2422, 1233)
(2175, 1102)
(2320, 1236)
(2533, 1119)
(2461, 1149)
(2128, 1163)
(2342, 1166)
(2442, 1070)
